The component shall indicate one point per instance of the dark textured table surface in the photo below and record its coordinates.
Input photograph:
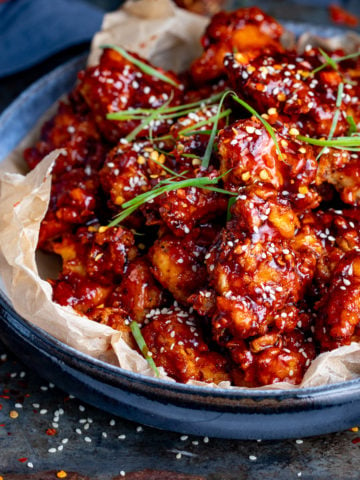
(45, 434)
(43, 429)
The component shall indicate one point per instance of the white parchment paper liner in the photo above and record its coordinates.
(168, 37)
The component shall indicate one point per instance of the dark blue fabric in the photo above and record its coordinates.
(32, 30)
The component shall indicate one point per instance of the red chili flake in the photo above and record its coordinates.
(0, 406)
(22, 460)
(356, 440)
(340, 15)
(16, 204)
(260, 87)
(51, 431)
(5, 396)
(2, 424)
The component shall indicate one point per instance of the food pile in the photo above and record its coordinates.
(212, 217)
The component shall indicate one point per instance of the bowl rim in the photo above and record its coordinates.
(88, 363)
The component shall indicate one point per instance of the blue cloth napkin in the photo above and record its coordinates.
(32, 30)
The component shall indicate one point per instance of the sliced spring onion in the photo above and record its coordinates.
(231, 202)
(266, 124)
(135, 329)
(352, 125)
(144, 67)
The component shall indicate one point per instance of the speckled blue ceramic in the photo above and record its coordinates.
(242, 414)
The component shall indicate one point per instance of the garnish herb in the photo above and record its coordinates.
(266, 124)
(352, 125)
(164, 186)
(131, 136)
(231, 202)
(144, 67)
(142, 345)
(335, 118)
(333, 62)
(344, 143)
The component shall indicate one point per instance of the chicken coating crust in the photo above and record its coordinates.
(138, 292)
(116, 84)
(249, 154)
(242, 30)
(272, 358)
(93, 261)
(178, 264)
(174, 338)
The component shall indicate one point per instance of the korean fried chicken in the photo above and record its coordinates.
(219, 209)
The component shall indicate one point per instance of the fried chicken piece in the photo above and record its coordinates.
(249, 152)
(272, 358)
(127, 171)
(329, 235)
(261, 210)
(138, 292)
(185, 208)
(285, 82)
(74, 132)
(93, 261)
(177, 264)
(242, 30)
(343, 173)
(116, 318)
(73, 201)
(339, 309)
(255, 279)
(116, 84)
(174, 338)
(102, 254)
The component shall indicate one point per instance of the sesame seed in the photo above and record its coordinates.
(252, 458)
(52, 450)
(87, 439)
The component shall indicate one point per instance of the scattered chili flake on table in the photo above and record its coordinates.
(22, 460)
(356, 440)
(61, 474)
(51, 431)
(340, 15)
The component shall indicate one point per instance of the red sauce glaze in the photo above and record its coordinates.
(245, 284)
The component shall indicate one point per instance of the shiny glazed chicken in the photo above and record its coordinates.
(218, 210)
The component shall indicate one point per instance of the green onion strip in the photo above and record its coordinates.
(135, 329)
(144, 67)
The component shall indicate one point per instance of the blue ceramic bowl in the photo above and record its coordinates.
(241, 414)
